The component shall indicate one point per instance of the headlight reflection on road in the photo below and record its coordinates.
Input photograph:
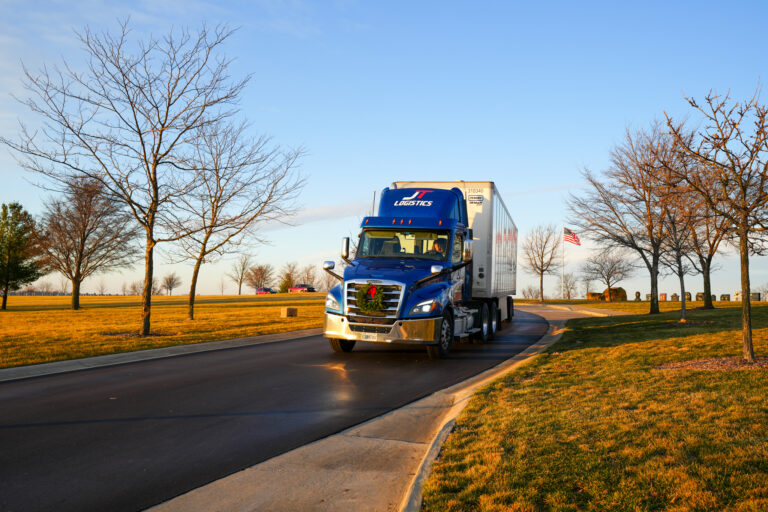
(345, 389)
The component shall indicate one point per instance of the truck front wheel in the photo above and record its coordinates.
(342, 345)
(446, 338)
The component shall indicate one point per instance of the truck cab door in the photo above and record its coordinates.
(458, 277)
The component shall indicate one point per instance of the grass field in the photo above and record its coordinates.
(639, 308)
(43, 329)
(593, 424)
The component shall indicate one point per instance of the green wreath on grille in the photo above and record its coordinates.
(370, 298)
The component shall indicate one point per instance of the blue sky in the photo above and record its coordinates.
(525, 95)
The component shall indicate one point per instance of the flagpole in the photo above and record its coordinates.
(562, 274)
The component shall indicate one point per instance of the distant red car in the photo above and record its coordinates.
(264, 291)
(301, 288)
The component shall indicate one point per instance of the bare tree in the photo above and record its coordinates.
(531, 292)
(288, 275)
(86, 232)
(171, 281)
(136, 287)
(609, 267)
(587, 281)
(222, 283)
(308, 274)
(677, 246)
(239, 271)
(128, 121)
(243, 183)
(540, 253)
(101, 289)
(570, 288)
(259, 276)
(731, 151)
(64, 283)
(708, 230)
(45, 287)
(625, 207)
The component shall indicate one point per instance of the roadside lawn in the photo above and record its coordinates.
(639, 308)
(42, 329)
(594, 424)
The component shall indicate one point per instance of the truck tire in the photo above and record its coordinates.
(493, 313)
(341, 345)
(443, 346)
(483, 335)
(510, 309)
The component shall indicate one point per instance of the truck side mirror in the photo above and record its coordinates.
(468, 251)
(345, 248)
(328, 267)
(436, 269)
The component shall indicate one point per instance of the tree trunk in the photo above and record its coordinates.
(541, 287)
(654, 285)
(239, 287)
(76, 293)
(146, 299)
(6, 285)
(608, 286)
(192, 288)
(705, 272)
(681, 276)
(746, 307)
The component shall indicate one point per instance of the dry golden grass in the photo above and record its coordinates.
(633, 307)
(43, 329)
(594, 424)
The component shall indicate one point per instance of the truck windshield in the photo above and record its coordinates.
(392, 243)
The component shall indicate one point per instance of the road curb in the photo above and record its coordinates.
(461, 393)
(86, 363)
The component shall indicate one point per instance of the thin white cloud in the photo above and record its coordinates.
(320, 213)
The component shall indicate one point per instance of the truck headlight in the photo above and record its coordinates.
(423, 308)
(331, 303)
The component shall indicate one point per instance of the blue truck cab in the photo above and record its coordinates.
(411, 279)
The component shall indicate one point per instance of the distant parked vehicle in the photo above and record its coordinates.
(301, 288)
(264, 291)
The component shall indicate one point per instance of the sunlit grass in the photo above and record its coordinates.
(43, 329)
(594, 425)
(639, 308)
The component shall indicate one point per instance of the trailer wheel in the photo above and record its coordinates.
(446, 339)
(494, 316)
(341, 345)
(483, 335)
(510, 308)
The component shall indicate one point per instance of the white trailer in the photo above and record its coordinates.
(494, 266)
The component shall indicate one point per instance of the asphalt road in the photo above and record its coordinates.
(131, 436)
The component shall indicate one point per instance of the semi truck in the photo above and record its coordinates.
(437, 263)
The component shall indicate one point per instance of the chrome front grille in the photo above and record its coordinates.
(393, 294)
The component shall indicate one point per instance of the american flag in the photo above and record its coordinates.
(570, 236)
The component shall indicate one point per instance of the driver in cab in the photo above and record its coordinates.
(438, 249)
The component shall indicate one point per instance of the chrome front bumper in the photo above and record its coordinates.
(424, 331)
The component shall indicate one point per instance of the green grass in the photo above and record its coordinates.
(43, 329)
(592, 424)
